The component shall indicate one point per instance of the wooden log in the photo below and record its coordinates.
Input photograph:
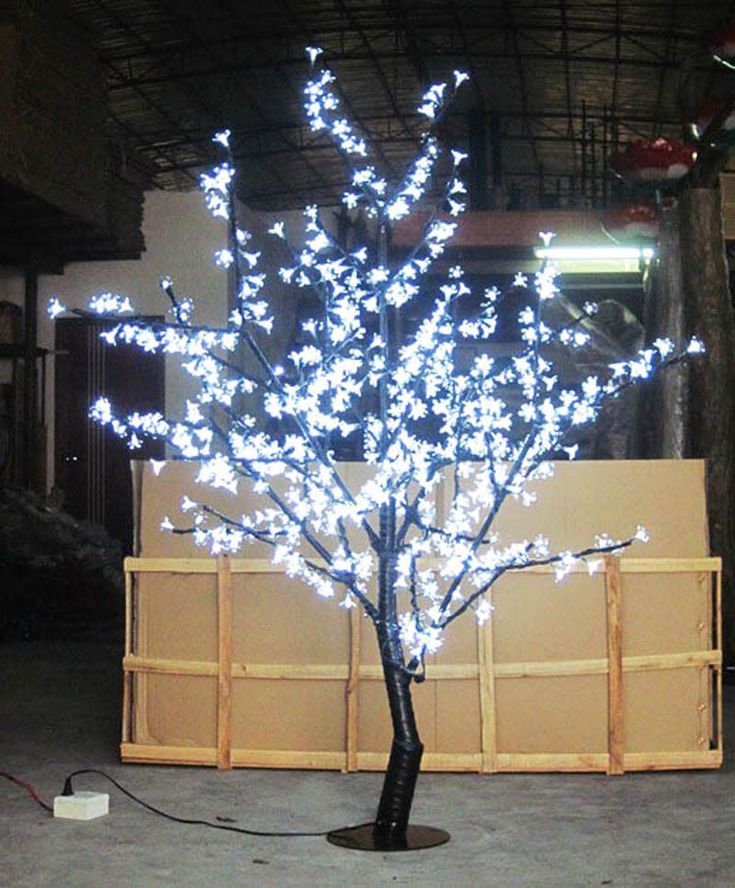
(709, 315)
(615, 737)
(663, 405)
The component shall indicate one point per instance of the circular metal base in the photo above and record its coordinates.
(364, 838)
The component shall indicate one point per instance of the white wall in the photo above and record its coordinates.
(181, 237)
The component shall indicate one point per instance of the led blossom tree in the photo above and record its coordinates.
(486, 431)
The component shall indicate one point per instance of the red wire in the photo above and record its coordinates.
(28, 788)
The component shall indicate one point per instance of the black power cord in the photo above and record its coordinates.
(69, 790)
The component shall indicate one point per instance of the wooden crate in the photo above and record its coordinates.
(471, 677)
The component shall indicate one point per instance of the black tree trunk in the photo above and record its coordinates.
(405, 755)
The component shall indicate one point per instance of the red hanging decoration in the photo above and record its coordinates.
(705, 113)
(721, 44)
(653, 160)
(631, 222)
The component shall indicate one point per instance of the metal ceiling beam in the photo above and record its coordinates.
(412, 45)
(126, 81)
(184, 27)
(557, 139)
(634, 121)
(377, 68)
(521, 79)
(670, 51)
(421, 24)
(306, 30)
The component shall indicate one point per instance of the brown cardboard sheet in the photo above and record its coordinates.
(278, 621)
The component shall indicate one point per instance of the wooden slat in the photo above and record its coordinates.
(615, 737)
(433, 671)
(171, 565)
(326, 672)
(430, 761)
(632, 761)
(718, 643)
(459, 762)
(301, 672)
(127, 650)
(352, 690)
(206, 565)
(264, 566)
(168, 755)
(488, 715)
(134, 663)
(489, 758)
(704, 701)
(649, 662)
(284, 758)
(672, 761)
(224, 663)
(641, 663)
(529, 762)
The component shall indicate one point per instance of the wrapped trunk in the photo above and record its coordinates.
(391, 830)
(405, 755)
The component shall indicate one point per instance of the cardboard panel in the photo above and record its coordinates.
(177, 616)
(665, 614)
(536, 618)
(458, 716)
(460, 644)
(586, 498)
(288, 714)
(176, 710)
(662, 710)
(374, 729)
(555, 714)
(278, 621)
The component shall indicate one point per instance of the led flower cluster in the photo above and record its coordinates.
(423, 419)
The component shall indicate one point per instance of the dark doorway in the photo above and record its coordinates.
(92, 466)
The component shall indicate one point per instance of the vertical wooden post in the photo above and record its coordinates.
(488, 720)
(128, 649)
(353, 683)
(224, 667)
(706, 642)
(719, 667)
(615, 737)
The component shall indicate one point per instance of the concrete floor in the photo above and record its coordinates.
(59, 712)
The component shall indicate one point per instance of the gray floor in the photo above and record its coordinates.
(59, 712)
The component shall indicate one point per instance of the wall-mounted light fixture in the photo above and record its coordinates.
(594, 254)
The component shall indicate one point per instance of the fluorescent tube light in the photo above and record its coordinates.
(594, 253)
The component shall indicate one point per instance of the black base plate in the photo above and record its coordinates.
(364, 838)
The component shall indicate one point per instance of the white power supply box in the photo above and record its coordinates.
(82, 805)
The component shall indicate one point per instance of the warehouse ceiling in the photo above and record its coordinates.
(555, 85)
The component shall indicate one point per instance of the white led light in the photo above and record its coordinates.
(488, 423)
